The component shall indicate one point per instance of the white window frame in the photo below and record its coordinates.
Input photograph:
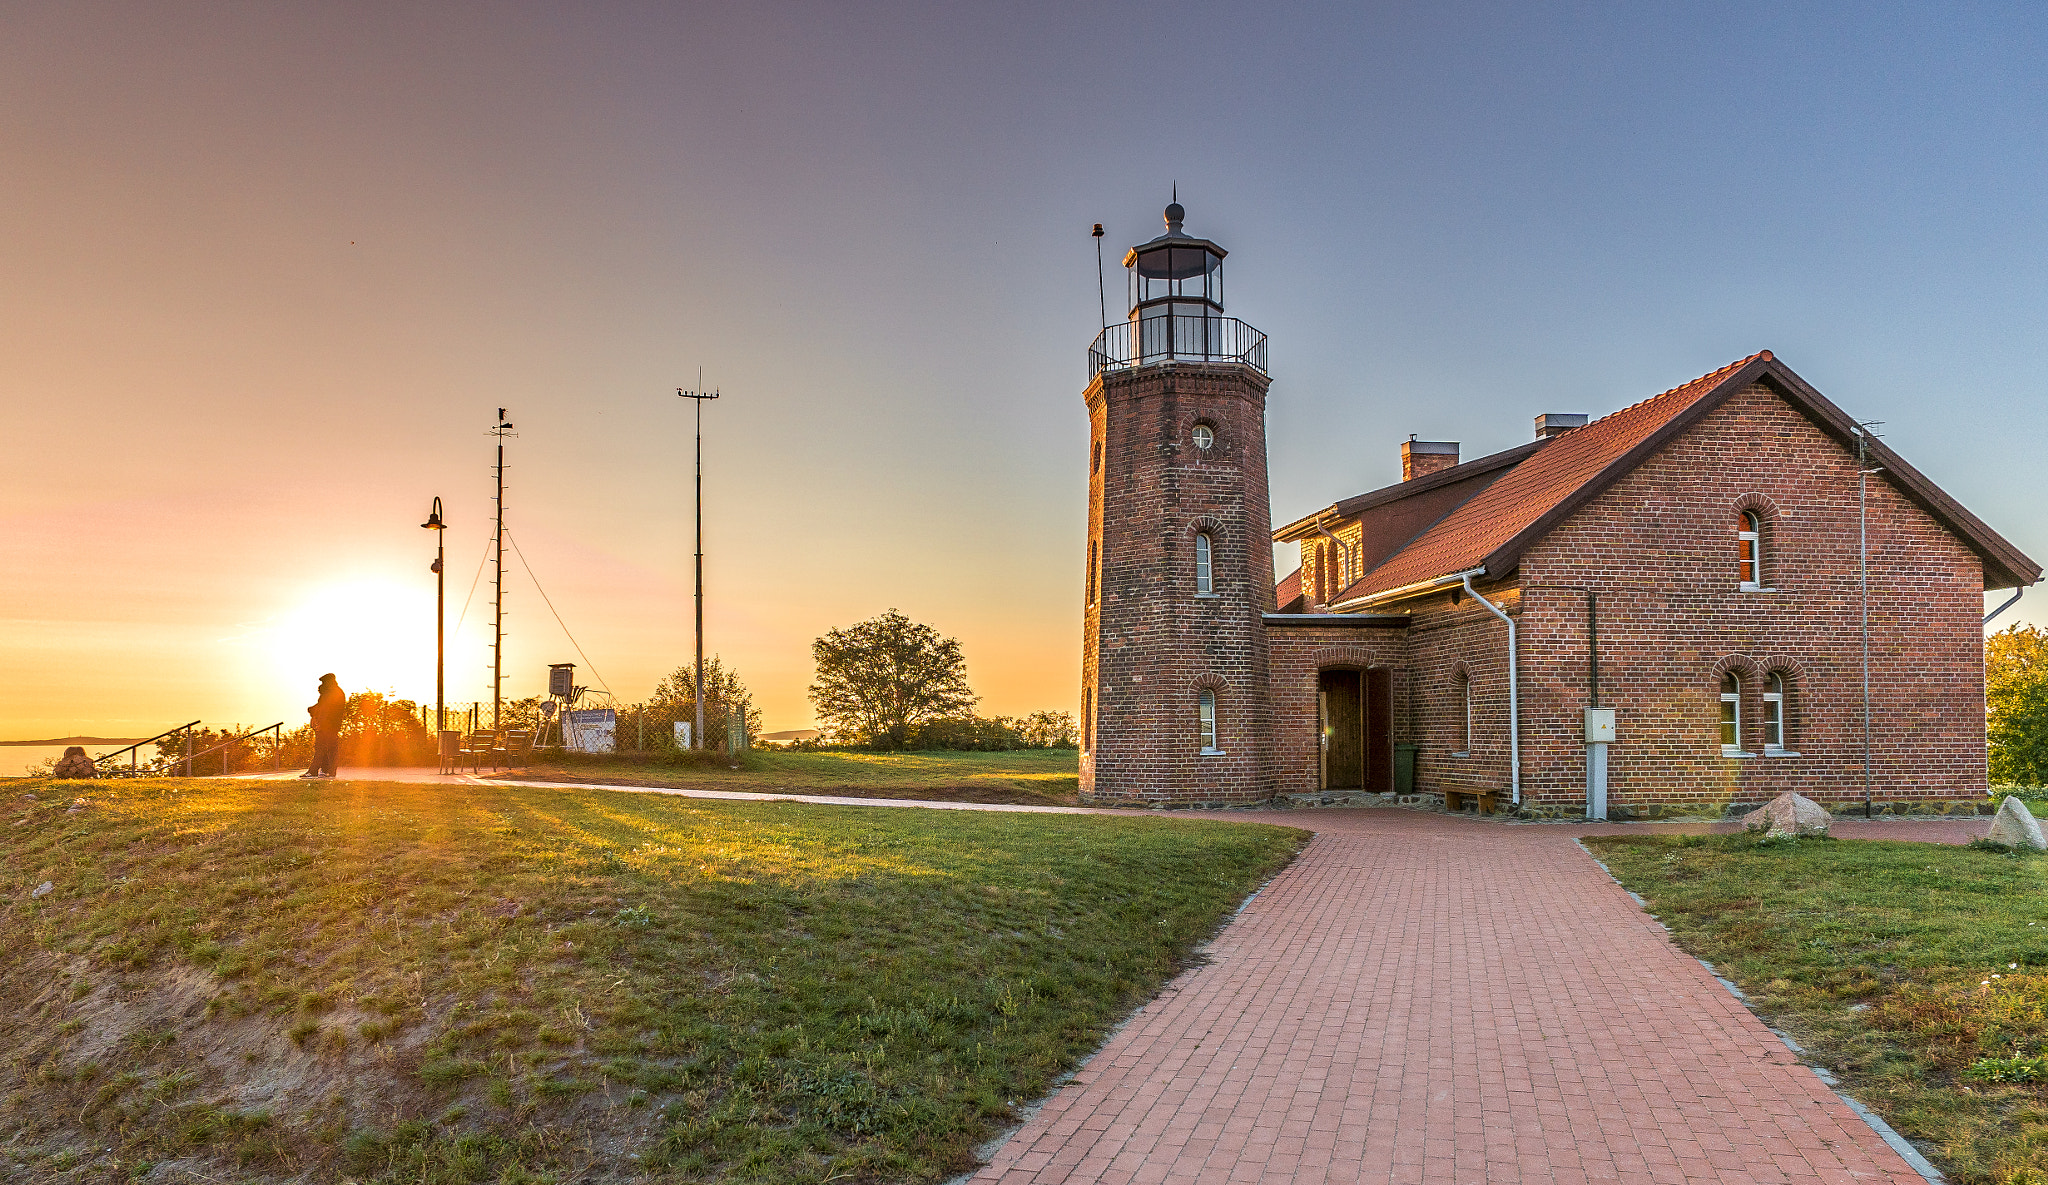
(1205, 716)
(1749, 541)
(1205, 565)
(1774, 717)
(1196, 436)
(1731, 698)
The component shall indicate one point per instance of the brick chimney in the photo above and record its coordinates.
(1551, 423)
(1420, 458)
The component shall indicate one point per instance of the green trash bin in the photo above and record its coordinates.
(1404, 768)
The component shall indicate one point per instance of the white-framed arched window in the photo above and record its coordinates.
(1731, 714)
(1205, 572)
(1774, 714)
(1206, 710)
(1749, 545)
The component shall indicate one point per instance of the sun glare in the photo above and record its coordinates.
(374, 636)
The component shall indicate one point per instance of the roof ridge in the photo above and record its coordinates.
(1732, 367)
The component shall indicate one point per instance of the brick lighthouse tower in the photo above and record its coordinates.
(1180, 563)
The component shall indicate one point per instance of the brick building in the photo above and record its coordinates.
(1667, 609)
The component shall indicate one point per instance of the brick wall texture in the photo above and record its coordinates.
(1658, 551)
(1151, 643)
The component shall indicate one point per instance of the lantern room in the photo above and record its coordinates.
(1175, 284)
(1175, 270)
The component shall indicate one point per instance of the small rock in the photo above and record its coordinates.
(30, 797)
(1789, 815)
(2016, 827)
(42, 890)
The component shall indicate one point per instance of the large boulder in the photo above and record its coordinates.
(2016, 827)
(75, 764)
(1789, 814)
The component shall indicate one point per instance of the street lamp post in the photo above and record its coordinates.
(435, 524)
(698, 397)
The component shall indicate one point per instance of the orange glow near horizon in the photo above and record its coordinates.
(372, 634)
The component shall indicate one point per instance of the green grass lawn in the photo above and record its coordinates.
(1029, 776)
(269, 980)
(1916, 972)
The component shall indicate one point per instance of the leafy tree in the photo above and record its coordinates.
(1049, 730)
(2016, 701)
(878, 679)
(675, 698)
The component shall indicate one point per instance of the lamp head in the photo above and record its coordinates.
(434, 522)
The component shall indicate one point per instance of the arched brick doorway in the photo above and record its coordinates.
(1355, 723)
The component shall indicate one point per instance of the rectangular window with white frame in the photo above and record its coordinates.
(1208, 721)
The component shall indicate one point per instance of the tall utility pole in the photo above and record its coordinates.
(501, 430)
(698, 396)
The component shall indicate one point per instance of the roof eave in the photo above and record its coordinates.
(1360, 503)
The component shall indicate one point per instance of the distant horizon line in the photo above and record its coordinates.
(80, 741)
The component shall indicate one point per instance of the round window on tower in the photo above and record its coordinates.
(1205, 437)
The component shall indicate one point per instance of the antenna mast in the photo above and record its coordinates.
(698, 397)
(501, 429)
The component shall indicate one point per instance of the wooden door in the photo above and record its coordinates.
(1343, 729)
(1379, 731)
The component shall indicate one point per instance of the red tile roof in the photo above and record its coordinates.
(1521, 498)
(1288, 592)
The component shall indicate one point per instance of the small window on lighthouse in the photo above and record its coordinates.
(1205, 437)
(1205, 572)
(1207, 704)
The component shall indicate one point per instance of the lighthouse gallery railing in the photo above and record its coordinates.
(1146, 341)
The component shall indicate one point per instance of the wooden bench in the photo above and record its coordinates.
(1454, 800)
(515, 749)
(475, 748)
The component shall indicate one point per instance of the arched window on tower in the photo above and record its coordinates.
(1091, 571)
(1205, 573)
(1749, 543)
(1208, 721)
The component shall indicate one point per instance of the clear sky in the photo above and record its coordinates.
(269, 269)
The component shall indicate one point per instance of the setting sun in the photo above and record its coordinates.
(374, 635)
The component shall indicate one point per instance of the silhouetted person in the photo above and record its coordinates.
(327, 714)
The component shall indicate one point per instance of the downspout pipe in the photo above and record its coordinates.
(1349, 573)
(2016, 594)
(1514, 684)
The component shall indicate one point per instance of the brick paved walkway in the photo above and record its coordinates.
(1422, 998)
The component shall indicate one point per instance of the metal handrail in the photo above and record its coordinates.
(1151, 341)
(186, 727)
(277, 752)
